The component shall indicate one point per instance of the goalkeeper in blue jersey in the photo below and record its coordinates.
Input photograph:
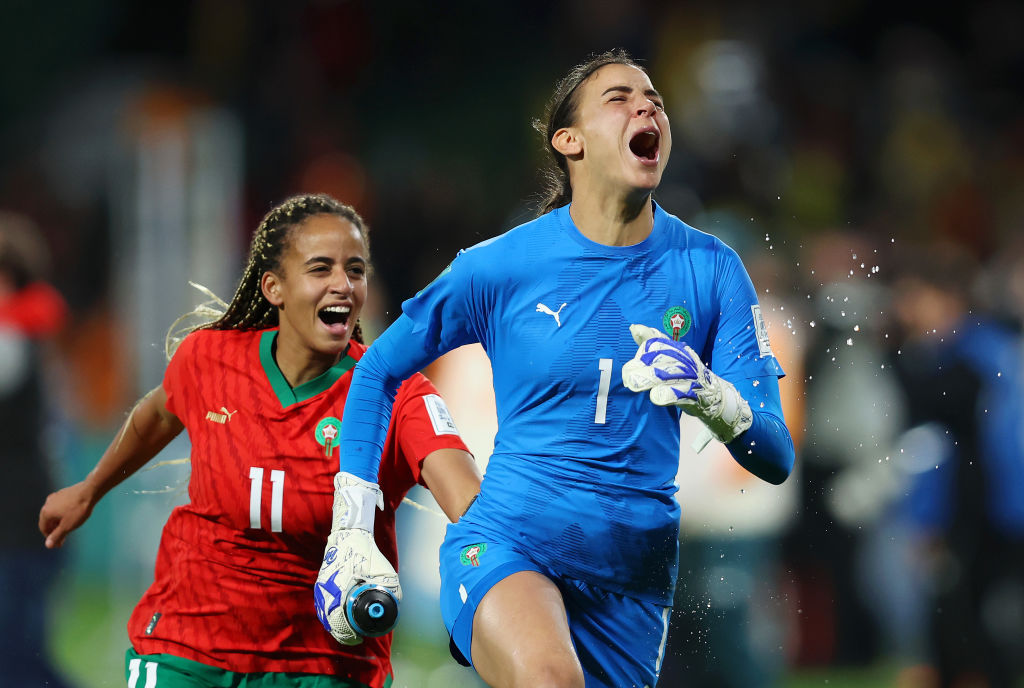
(604, 320)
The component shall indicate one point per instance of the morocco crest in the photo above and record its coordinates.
(676, 322)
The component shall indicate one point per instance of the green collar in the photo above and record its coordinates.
(285, 394)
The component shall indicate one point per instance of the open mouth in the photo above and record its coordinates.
(645, 145)
(334, 315)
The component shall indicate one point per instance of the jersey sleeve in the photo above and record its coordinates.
(741, 349)
(741, 354)
(444, 315)
(449, 312)
(178, 375)
(422, 424)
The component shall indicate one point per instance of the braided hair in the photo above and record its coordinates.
(561, 111)
(249, 308)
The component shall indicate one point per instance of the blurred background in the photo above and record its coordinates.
(866, 159)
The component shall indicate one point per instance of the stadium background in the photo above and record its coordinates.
(146, 140)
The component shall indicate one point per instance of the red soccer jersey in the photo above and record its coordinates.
(234, 577)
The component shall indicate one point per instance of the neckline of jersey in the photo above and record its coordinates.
(653, 241)
(307, 390)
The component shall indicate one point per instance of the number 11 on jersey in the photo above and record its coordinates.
(605, 366)
(256, 498)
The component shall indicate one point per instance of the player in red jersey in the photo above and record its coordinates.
(261, 391)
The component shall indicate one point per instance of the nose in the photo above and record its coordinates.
(645, 107)
(341, 284)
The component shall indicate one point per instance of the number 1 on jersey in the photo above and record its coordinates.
(605, 366)
(256, 498)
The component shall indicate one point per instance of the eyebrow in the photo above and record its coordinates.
(327, 259)
(318, 259)
(629, 89)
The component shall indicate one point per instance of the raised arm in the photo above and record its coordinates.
(148, 429)
(748, 419)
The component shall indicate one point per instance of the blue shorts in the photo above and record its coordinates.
(619, 640)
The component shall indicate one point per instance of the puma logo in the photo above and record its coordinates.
(541, 308)
(223, 417)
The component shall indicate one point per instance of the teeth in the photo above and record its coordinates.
(337, 309)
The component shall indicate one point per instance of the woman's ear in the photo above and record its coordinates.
(567, 141)
(270, 285)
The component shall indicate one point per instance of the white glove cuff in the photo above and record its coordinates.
(730, 403)
(355, 502)
(735, 417)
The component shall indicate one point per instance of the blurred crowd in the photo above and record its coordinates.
(865, 160)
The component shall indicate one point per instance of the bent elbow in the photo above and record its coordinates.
(777, 475)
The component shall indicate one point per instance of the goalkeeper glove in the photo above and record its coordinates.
(675, 375)
(351, 557)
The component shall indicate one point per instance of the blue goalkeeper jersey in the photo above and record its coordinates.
(583, 470)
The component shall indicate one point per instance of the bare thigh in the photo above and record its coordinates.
(521, 635)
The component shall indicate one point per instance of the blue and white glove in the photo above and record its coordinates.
(675, 375)
(351, 557)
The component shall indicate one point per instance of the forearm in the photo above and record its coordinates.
(392, 358)
(148, 429)
(453, 478)
(766, 447)
(365, 423)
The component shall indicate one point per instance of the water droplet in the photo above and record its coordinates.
(849, 342)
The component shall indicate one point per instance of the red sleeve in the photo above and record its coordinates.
(421, 424)
(178, 374)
